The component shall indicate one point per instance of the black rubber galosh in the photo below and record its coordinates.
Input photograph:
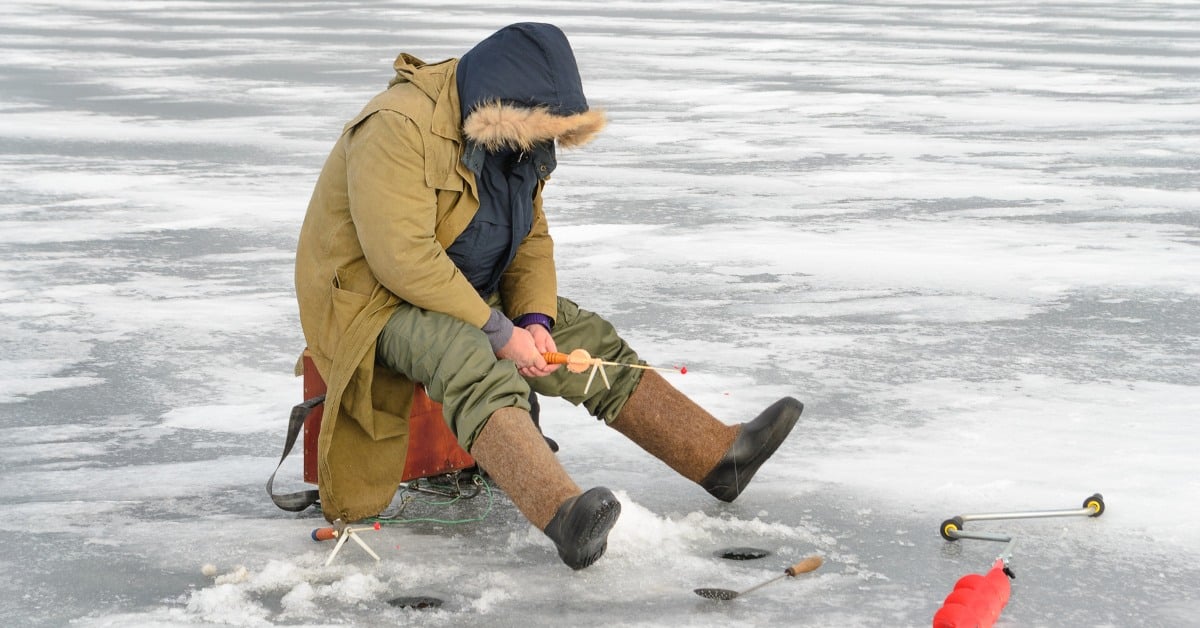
(756, 441)
(580, 527)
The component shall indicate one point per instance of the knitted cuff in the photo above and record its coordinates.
(499, 330)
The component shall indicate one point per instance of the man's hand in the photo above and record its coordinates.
(525, 349)
(545, 344)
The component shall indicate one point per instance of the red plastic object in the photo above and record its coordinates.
(976, 601)
(432, 447)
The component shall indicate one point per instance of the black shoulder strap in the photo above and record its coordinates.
(295, 502)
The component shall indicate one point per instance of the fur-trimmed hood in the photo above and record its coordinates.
(521, 87)
(498, 125)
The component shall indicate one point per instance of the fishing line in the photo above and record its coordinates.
(477, 480)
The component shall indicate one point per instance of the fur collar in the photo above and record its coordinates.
(497, 125)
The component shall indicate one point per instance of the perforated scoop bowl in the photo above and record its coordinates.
(717, 594)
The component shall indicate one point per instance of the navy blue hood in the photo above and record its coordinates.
(527, 65)
(521, 87)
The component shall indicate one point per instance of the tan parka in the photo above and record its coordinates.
(392, 196)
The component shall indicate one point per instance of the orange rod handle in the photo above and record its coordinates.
(323, 534)
(553, 357)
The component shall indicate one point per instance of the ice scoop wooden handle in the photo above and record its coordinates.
(808, 564)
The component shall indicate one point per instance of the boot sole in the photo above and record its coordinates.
(591, 542)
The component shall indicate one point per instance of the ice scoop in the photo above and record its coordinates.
(808, 564)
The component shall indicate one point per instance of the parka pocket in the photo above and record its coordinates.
(346, 302)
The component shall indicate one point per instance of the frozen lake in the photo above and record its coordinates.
(967, 236)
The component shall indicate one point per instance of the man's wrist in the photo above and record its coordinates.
(534, 318)
(498, 330)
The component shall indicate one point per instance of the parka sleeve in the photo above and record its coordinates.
(394, 214)
(530, 284)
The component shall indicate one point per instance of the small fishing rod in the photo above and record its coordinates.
(580, 360)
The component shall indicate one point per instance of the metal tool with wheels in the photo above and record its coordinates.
(952, 528)
(978, 599)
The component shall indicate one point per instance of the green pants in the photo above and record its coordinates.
(455, 363)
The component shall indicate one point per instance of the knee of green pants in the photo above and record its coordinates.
(475, 386)
(454, 361)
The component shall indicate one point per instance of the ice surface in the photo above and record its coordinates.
(964, 234)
